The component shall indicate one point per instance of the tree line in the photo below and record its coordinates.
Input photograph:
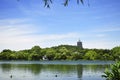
(62, 52)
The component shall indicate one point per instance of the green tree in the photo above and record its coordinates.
(34, 57)
(50, 53)
(90, 55)
(63, 50)
(57, 56)
(12, 56)
(116, 53)
(36, 50)
(107, 56)
(7, 50)
(21, 55)
(76, 56)
(5, 54)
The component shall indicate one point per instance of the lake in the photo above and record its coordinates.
(53, 70)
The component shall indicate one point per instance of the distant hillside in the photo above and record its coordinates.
(61, 52)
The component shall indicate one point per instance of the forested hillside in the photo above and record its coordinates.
(62, 52)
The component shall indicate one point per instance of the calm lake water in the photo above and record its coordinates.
(53, 70)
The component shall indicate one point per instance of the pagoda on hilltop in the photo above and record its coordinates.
(79, 44)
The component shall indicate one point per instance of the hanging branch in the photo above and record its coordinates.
(47, 3)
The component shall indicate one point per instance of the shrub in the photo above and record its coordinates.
(113, 73)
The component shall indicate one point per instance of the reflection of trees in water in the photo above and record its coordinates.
(54, 69)
(59, 68)
(79, 71)
(34, 68)
(65, 69)
(37, 68)
(95, 68)
(6, 67)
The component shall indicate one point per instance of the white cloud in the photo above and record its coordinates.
(99, 44)
(108, 29)
(18, 35)
(12, 21)
(100, 35)
(27, 41)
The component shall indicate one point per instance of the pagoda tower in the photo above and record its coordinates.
(79, 44)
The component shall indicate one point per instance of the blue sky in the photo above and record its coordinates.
(27, 23)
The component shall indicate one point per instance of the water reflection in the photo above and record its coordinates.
(79, 71)
(50, 71)
(33, 68)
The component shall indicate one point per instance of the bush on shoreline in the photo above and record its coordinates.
(113, 73)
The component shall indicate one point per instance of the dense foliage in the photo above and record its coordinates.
(113, 73)
(62, 52)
